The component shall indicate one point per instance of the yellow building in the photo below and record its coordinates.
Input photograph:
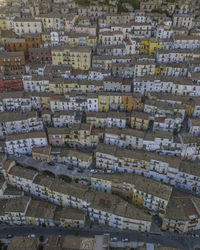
(139, 120)
(58, 54)
(3, 24)
(150, 47)
(78, 57)
(103, 102)
(46, 37)
(92, 40)
(137, 199)
(47, 22)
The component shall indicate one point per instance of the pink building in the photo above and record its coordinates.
(56, 136)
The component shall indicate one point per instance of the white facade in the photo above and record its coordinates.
(27, 26)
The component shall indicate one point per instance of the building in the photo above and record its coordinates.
(23, 44)
(138, 190)
(182, 214)
(39, 55)
(27, 26)
(13, 123)
(139, 120)
(11, 83)
(12, 63)
(113, 210)
(183, 20)
(42, 153)
(23, 143)
(56, 136)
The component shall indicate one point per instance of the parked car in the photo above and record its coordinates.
(125, 240)
(31, 236)
(70, 168)
(51, 163)
(9, 236)
(80, 170)
(93, 171)
(113, 239)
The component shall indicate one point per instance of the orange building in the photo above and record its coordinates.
(12, 63)
(23, 43)
(132, 101)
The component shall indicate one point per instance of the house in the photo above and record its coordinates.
(90, 201)
(42, 153)
(122, 160)
(23, 44)
(138, 190)
(139, 120)
(75, 158)
(182, 214)
(39, 55)
(194, 126)
(14, 101)
(19, 123)
(23, 143)
(12, 63)
(27, 26)
(9, 83)
(183, 20)
(56, 136)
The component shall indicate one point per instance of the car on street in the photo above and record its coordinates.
(125, 240)
(101, 171)
(195, 235)
(113, 239)
(70, 168)
(93, 171)
(80, 170)
(109, 171)
(9, 236)
(51, 163)
(31, 236)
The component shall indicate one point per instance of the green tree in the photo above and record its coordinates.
(41, 238)
(76, 233)
(160, 11)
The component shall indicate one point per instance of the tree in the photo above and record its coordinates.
(76, 233)
(41, 238)
(40, 247)
(160, 11)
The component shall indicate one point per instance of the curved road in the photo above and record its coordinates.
(58, 169)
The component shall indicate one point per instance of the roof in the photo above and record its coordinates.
(68, 213)
(12, 54)
(181, 206)
(20, 242)
(42, 150)
(16, 116)
(10, 190)
(81, 156)
(195, 121)
(57, 131)
(17, 205)
(69, 242)
(140, 115)
(23, 136)
(191, 168)
(41, 209)
(23, 172)
(113, 204)
(141, 183)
